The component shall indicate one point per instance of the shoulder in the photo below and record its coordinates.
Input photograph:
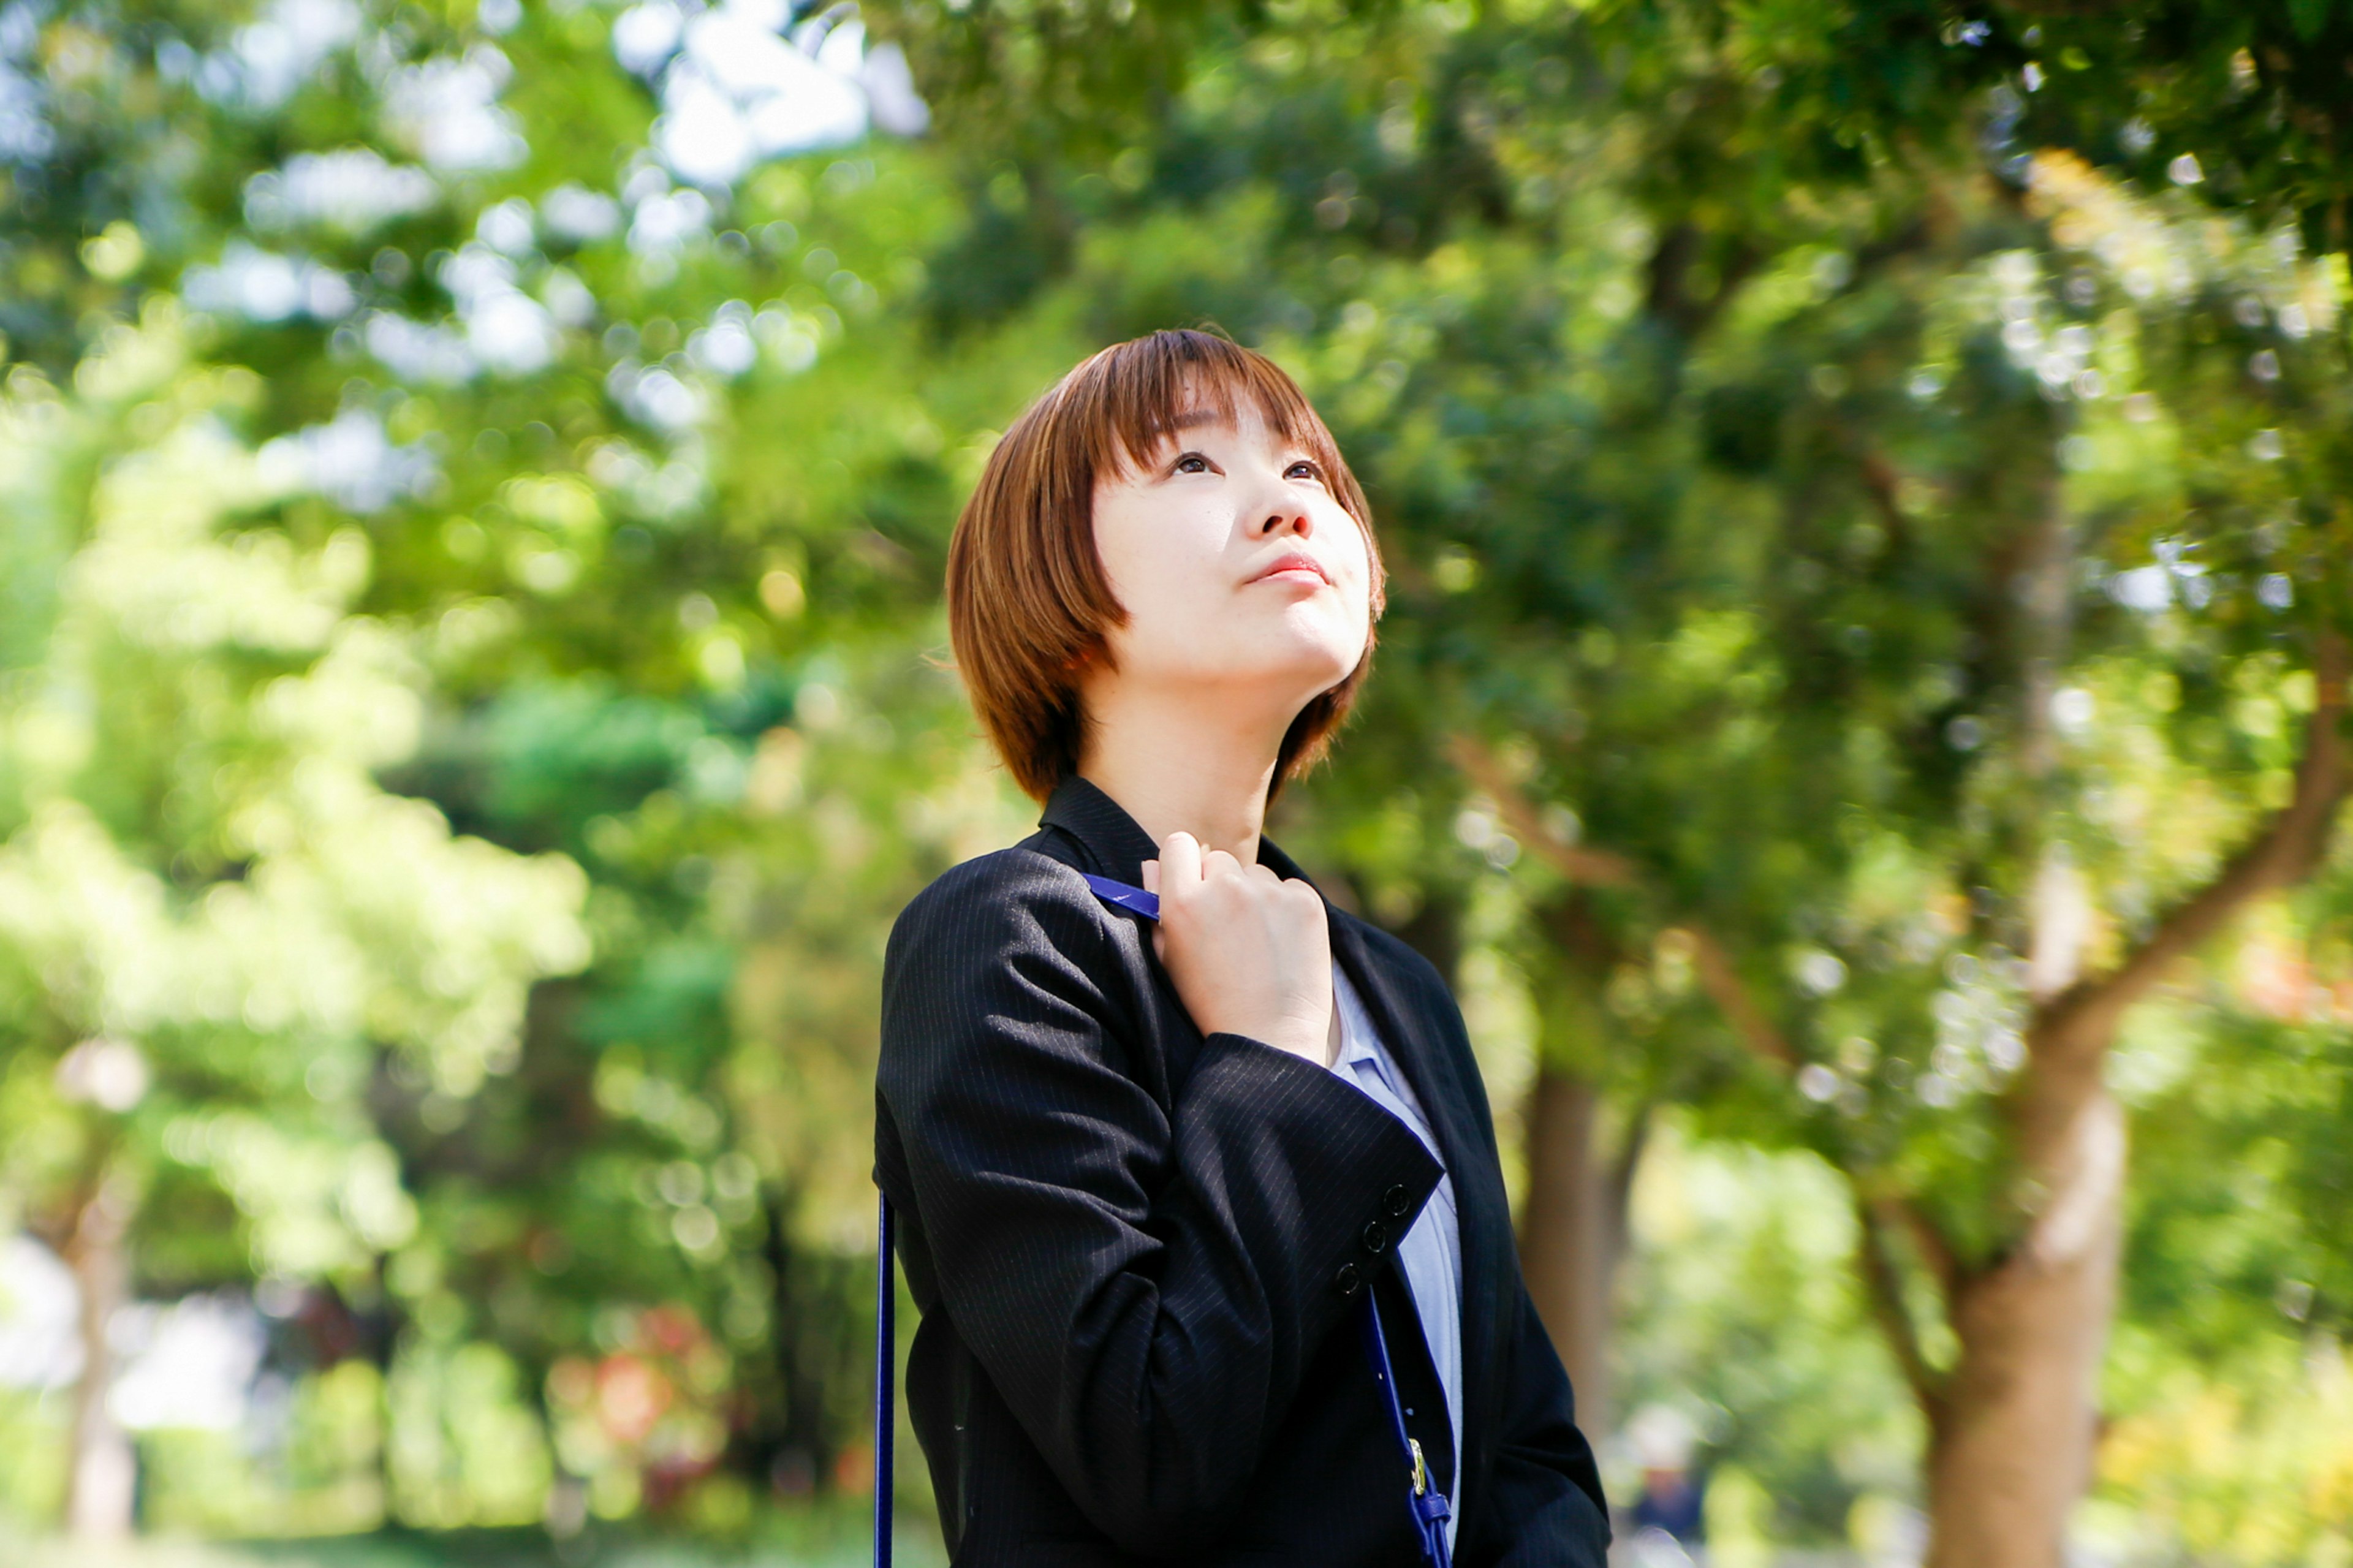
(1011, 956)
(1021, 899)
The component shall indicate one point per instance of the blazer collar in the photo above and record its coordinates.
(1118, 843)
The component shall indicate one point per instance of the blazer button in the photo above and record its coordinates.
(1347, 1281)
(1397, 1200)
(1376, 1237)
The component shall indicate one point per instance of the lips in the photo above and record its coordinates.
(1293, 561)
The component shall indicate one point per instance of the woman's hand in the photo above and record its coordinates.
(1249, 952)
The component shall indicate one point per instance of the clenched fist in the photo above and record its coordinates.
(1249, 952)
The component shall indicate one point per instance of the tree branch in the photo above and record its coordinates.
(2078, 1023)
(1896, 1212)
(1885, 1287)
(1595, 867)
(1730, 993)
(1601, 868)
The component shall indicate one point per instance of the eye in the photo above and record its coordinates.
(1304, 469)
(1190, 463)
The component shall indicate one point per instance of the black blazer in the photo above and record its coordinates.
(1138, 1252)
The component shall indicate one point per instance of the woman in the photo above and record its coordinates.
(1145, 1173)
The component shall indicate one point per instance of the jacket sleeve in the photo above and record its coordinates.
(1143, 1286)
(1545, 1498)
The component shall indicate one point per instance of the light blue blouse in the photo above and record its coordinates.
(1431, 1255)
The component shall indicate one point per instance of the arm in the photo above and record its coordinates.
(1544, 1508)
(1143, 1286)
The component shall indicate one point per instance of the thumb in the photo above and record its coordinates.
(1152, 875)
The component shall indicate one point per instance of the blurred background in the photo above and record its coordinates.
(1865, 489)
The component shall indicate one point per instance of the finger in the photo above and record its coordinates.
(1218, 864)
(1152, 875)
(1180, 864)
(1266, 874)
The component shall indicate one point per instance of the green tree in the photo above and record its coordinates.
(218, 928)
(1793, 539)
(1855, 574)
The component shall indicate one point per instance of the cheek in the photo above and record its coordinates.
(1129, 547)
(1356, 572)
(1160, 567)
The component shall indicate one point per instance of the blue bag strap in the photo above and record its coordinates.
(1119, 896)
(1426, 1505)
(1429, 1505)
(886, 1347)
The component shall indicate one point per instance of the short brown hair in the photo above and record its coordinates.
(1028, 598)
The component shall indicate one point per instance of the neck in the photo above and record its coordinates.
(1176, 764)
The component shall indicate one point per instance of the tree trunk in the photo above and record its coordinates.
(1573, 1231)
(2010, 1448)
(102, 1471)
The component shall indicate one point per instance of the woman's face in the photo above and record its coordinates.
(1242, 575)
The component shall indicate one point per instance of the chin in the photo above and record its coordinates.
(1294, 656)
(1312, 671)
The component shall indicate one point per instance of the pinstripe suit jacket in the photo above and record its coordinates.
(1137, 1251)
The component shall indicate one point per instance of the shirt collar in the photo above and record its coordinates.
(1357, 1041)
(1118, 844)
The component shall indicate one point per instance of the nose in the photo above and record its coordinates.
(1283, 514)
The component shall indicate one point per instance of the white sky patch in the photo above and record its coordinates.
(429, 354)
(643, 37)
(24, 133)
(350, 461)
(1819, 971)
(446, 110)
(655, 396)
(566, 298)
(108, 1073)
(354, 190)
(2147, 589)
(735, 91)
(39, 1305)
(512, 334)
(890, 94)
(263, 285)
(725, 348)
(507, 331)
(273, 55)
(580, 214)
(790, 341)
(2072, 710)
(664, 219)
(506, 225)
(188, 1365)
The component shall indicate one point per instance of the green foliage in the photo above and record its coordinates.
(469, 698)
(1750, 1324)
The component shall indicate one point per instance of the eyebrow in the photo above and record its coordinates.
(1195, 417)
